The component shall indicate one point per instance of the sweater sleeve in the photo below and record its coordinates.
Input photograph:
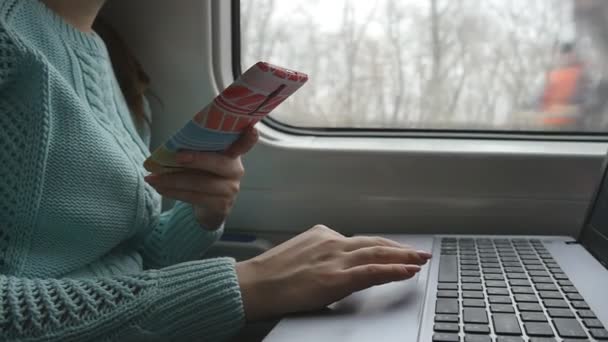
(178, 237)
(181, 302)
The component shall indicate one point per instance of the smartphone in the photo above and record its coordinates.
(256, 93)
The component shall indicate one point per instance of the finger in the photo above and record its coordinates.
(357, 242)
(365, 276)
(194, 181)
(244, 144)
(211, 162)
(383, 255)
(211, 201)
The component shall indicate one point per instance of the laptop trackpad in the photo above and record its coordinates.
(390, 312)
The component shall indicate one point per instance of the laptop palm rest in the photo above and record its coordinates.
(390, 312)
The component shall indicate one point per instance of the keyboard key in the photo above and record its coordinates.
(580, 305)
(492, 270)
(447, 286)
(497, 292)
(475, 316)
(506, 324)
(533, 317)
(472, 294)
(550, 295)
(476, 329)
(446, 318)
(470, 267)
(535, 267)
(569, 289)
(470, 280)
(442, 337)
(526, 298)
(555, 303)
(519, 282)
(560, 276)
(496, 283)
(530, 307)
(477, 338)
(555, 270)
(565, 283)
(569, 328)
(448, 269)
(446, 327)
(514, 269)
(472, 287)
(517, 276)
(538, 329)
(469, 262)
(586, 314)
(593, 323)
(599, 334)
(574, 296)
(500, 300)
(522, 290)
(507, 264)
(476, 303)
(446, 306)
(560, 313)
(539, 273)
(546, 280)
(447, 294)
(493, 277)
(502, 308)
(546, 287)
(509, 259)
(509, 339)
(546, 339)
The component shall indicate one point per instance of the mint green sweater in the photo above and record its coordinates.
(85, 252)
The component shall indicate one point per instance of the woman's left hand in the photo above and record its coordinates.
(210, 181)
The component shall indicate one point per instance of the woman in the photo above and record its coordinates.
(86, 254)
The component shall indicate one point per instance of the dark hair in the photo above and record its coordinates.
(132, 79)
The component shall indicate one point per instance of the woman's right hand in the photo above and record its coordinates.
(319, 267)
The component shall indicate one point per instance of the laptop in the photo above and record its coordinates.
(481, 289)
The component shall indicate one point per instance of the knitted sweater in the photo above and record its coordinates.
(85, 252)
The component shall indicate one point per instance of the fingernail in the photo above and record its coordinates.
(424, 254)
(184, 158)
(413, 268)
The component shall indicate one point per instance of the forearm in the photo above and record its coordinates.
(185, 301)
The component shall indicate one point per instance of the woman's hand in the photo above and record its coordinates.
(319, 267)
(209, 181)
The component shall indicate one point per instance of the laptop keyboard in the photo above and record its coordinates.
(508, 290)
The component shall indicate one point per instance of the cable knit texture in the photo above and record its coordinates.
(85, 253)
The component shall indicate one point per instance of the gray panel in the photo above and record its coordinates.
(525, 187)
(388, 313)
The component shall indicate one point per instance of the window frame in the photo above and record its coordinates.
(236, 54)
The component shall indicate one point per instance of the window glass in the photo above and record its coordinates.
(511, 65)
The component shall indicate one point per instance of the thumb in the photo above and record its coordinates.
(243, 144)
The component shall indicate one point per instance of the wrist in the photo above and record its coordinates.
(259, 300)
(207, 220)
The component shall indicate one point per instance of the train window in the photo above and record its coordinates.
(494, 65)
